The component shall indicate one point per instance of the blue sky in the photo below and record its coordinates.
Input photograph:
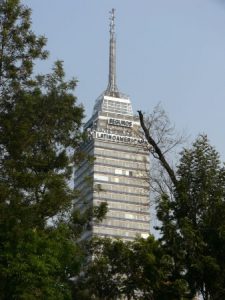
(168, 51)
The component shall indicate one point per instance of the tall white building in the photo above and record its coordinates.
(118, 175)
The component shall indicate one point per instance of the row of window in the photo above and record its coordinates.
(125, 224)
(119, 224)
(120, 233)
(131, 181)
(126, 207)
(121, 147)
(129, 164)
(120, 155)
(138, 204)
(121, 196)
(117, 107)
(118, 188)
(138, 168)
(128, 215)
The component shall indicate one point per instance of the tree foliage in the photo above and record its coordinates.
(39, 133)
(198, 211)
(19, 47)
(192, 216)
(129, 270)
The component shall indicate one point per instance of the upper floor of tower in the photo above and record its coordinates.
(112, 100)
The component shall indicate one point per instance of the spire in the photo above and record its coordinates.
(112, 89)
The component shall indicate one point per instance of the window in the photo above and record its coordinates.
(118, 171)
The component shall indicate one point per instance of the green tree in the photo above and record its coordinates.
(199, 214)
(41, 265)
(19, 47)
(39, 134)
(134, 270)
(192, 216)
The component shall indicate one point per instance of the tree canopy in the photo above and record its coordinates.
(192, 216)
(39, 133)
(129, 270)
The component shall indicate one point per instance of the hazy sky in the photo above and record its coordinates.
(168, 51)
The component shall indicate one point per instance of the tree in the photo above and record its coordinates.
(19, 47)
(192, 216)
(41, 265)
(39, 133)
(131, 270)
(199, 211)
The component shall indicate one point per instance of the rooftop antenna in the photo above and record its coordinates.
(112, 89)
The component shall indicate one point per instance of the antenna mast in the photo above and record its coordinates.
(112, 89)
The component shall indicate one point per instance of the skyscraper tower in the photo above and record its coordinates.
(118, 174)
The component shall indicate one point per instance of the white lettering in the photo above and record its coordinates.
(118, 122)
(117, 138)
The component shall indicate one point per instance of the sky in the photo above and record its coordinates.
(168, 51)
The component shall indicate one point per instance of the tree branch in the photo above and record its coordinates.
(157, 150)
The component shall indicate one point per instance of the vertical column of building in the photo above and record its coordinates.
(83, 182)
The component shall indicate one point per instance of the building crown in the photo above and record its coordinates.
(112, 100)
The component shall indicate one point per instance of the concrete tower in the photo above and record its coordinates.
(119, 173)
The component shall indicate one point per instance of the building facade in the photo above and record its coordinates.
(118, 174)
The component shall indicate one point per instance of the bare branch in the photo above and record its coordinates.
(157, 150)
